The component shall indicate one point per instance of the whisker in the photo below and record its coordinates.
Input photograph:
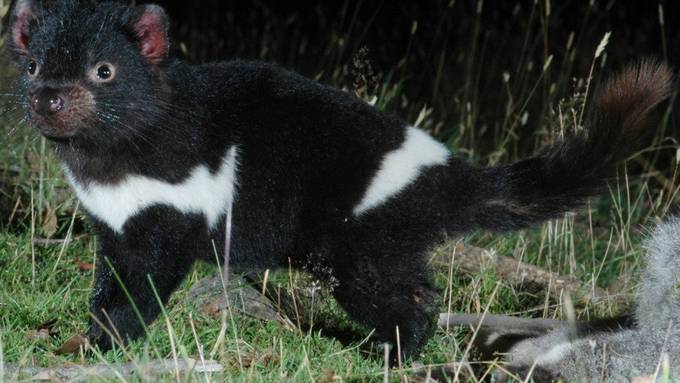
(113, 122)
(160, 122)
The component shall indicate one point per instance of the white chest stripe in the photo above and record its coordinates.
(200, 192)
(401, 167)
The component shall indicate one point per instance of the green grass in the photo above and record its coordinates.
(600, 245)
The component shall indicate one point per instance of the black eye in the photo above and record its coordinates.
(32, 68)
(104, 72)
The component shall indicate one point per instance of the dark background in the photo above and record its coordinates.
(456, 56)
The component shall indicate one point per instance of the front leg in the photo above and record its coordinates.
(161, 245)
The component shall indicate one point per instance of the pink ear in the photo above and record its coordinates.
(151, 28)
(24, 14)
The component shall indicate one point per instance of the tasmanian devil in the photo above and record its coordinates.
(158, 151)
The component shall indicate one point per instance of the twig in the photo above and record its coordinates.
(472, 259)
(499, 321)
(74, 372)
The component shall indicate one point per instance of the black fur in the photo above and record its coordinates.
(307, 153)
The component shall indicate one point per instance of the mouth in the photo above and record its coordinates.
(57, 137)
(52, 129)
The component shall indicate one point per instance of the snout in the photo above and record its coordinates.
(47, 102)
(58, 112)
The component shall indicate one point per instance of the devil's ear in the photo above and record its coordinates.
(24, 19)
(150, 26)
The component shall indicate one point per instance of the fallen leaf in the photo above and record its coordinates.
(84, 266)
(72, 345)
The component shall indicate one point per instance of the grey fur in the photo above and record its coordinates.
(658, 303)
(623, 355)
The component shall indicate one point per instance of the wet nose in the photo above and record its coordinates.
(46, 101)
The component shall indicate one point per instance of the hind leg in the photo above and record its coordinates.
(386, 292)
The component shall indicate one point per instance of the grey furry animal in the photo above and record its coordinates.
(617, 354)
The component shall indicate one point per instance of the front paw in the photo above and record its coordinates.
(119, 326)
(99, 337)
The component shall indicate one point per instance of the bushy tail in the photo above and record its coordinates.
(658, 302)
(566, 173)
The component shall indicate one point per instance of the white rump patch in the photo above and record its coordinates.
(402, 166)
(200, 193)
(555, 354)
